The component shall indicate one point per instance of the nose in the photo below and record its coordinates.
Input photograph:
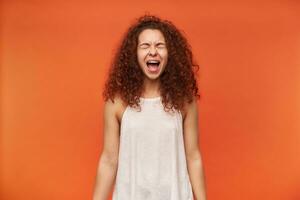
(152, 50)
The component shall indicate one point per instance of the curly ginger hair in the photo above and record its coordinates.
(177, 82)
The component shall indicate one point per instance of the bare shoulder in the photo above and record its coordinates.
(116, 107)
(189, 108)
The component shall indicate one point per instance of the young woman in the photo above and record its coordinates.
(150, 147)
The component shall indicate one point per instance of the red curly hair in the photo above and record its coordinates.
(177, 82)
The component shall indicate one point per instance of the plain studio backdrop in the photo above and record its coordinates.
(54, 59)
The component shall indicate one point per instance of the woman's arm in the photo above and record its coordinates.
(193, 155)
(108, 162)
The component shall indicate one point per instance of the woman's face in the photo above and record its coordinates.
(152, 53)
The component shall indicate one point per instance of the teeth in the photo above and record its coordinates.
(153, 62)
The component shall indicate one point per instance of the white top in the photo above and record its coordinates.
(152, 162)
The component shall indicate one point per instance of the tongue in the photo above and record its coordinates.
(152, 67)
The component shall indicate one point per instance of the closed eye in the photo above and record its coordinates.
(144, 45)
(161, 45)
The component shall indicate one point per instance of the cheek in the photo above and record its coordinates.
(163, 54)
(141, 55)
(165, 57)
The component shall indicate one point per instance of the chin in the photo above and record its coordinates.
(152, 75)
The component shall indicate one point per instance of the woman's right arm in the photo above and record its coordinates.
(108, 161)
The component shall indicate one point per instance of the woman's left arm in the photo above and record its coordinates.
(193, 154)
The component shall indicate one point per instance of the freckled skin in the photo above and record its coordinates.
(152, 45)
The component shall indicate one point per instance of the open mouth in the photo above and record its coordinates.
(153, 63)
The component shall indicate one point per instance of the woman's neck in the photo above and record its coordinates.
(151, 88)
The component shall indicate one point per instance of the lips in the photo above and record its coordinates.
(153, 65)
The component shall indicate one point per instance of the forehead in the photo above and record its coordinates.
(151, 35)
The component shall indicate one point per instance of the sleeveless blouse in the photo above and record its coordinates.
(152, 162)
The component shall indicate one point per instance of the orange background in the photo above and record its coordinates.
(54, 60)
